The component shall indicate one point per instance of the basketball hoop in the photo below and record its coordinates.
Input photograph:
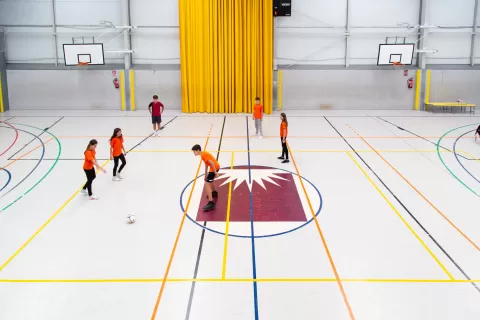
(398, 65)
(82, 64)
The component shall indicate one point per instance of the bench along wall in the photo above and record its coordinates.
(450, 85)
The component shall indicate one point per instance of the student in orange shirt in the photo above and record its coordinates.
(88, 167)
(117, 152)
(211, 172)
(258, 117)
(283, 138)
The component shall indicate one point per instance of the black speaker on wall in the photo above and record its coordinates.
(282, 8)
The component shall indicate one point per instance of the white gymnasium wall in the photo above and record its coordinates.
(70, 90)
(314, 35)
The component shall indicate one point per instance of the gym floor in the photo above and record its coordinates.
(374, 218)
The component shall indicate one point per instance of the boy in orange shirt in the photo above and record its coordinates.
(211, 172)
(258, 117)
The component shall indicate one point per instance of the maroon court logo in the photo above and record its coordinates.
(275, 196)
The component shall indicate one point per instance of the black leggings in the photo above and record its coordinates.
(115, 160)
(284, 148)
(90, 177)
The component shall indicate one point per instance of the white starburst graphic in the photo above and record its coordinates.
(258, 175)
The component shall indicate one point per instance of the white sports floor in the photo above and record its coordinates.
(382, 224)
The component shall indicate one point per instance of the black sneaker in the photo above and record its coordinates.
(210, 206)
(280, 158)
(286, 161)
(214, 195)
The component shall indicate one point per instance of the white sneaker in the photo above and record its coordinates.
(92, 197)
(115, 179)
(119, 176)
(260, 137)
(84, 192)
(154, 134)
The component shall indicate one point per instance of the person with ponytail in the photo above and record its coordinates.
(88, 167)
(117, 152)
(283, 138)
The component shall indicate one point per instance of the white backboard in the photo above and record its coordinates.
(92, 53)
(390, 53)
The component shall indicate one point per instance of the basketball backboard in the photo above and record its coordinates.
(388, 54)
(91, 53)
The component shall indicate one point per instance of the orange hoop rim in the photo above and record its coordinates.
(82, 64)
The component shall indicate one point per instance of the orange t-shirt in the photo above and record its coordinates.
(117, 145)
(89, 157)
(207, 156)
(283, 127)
(258, 111)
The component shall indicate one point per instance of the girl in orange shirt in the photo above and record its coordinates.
(283, 138)
(88, 167)
(117, 152)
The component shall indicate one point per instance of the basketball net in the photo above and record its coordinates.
(398, 65)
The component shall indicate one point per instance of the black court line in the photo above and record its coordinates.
(405, 208)
(145, 139)
(202, 237)
(418, 136)
(48, 128)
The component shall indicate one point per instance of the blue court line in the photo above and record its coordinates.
(254, 263)
(9, 178)
(34, 168)
(456, 155)
(256, 236)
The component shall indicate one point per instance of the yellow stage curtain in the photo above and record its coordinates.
(226, 55)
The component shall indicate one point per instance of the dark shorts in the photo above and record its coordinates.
(156, 119)
(211, 176)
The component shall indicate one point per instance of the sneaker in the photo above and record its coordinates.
(286, 161)
(119, 176)
(154, 133)
(84, 192)
(280, 158)
(115, 179)
(209, 206)
(260, 137)
(92, 197)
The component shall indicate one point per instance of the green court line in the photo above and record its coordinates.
(46, 174)
(445, 165)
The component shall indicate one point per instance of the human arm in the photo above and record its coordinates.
(99, 167)
(284, 134)
(111, 152)
(212, 165)
(150, 108)
(162, 107)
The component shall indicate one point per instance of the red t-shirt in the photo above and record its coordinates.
(156, 108)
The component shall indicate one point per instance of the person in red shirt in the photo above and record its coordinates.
(88, 167)
(211, 172)
(117, 152)
(258, 117)
(283, 137)
(156, 109)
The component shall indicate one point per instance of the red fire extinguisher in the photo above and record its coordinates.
(410, 83)
(115, 83)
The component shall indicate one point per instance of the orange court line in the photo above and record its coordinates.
(23, 155)
(419, 193)
(332, 264)
(157, 303)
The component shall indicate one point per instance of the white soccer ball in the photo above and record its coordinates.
(131, 218)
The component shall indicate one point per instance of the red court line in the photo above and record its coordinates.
(165, 276)
(330, 259)
(14, 141)
(418, 192)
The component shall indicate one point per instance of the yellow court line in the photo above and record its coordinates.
(45, 224)
(274, 280)
(470, 155)
(229, 202)
(401, 217)
(324, 241)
